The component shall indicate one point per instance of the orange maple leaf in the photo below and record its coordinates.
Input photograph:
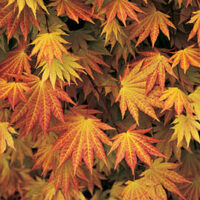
(13, 91)
(9, 16)
(196, 28)
(174, 96)
(82, 137)
(73, 9)
(48, 45)
(64, 178)
(132, 93)
(132, 143)
(121, 8)
(43, 100)
(150, 23)
(186, 57)
(161, 174)
(16, 62)
(89, 60)
(161, 64)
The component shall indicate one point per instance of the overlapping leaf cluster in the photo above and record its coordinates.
(100, 91)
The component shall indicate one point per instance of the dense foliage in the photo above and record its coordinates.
(100, 99)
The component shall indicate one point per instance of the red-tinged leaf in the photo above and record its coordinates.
(160, 173)
(82, 138)
(9, 16)
(16, 62)
(64, 178)
(174, 96)
(90, 60)
(73, 9)
(48, 46)
(186, 57)
(132, 143)
(161, 65)
(13, 91)
(150, 24)
(42, 101)
(121, 8)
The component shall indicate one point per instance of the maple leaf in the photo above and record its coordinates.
(141, 189)
(121, 8)
(191, 190)
(89, 60)
(132, 143)
(82, 137)
(73, 9)
(195, 96)
(174, 96)
(196, 21)
(44, 157)
(30, 3)
(68, 69)
(43, 100)
(180, 2)
(92, 180)
(186, 127)
(79, 38)
(64, 178)
(150, 23)
(186, 57)
(12, 176)
(5, 136)
(161, 64)
(132, 93)
(190, 166)
(113, 32)
(16, 61)
(13, 91)
(8, 16)
(167, 147)
(161, 174)
(22, 149)
(48, 45)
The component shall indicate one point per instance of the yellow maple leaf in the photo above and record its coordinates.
(141, 189)
(186, 127)
(33, 4)
(132, 93)
(186, 57)
(196, 28)
(174, 96)
(113, 32)
(195, 96)
(161, 174)
(5, 136)
(150, 24)
(48, 45)
(69, 69)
